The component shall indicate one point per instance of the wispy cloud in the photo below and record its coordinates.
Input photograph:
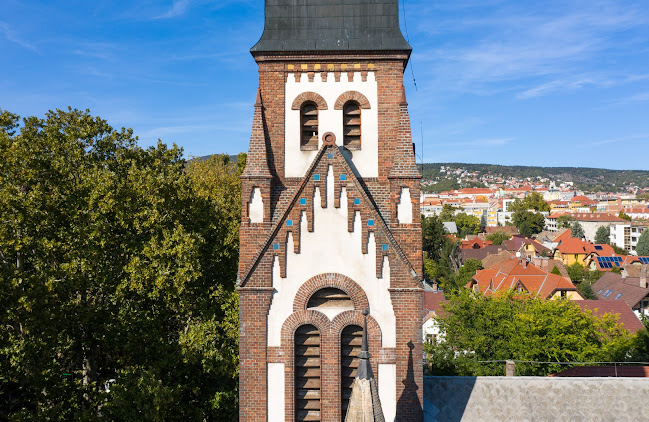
(626, 139)
(178, 8)
(543, 48)
(11, 35)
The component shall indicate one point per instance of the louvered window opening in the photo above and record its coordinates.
(330, 297)
(307, 373)
(309, 125)
(350, 346)
(352, 125)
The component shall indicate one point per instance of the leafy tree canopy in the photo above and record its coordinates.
(577, 230)
(482, 328)
(498, 237)
(441, 254)
(603, 235)
(528, 223)
(565, 221)
(467, 224)
(117, 266)
(533, 201)
(642, 248)
(624, 216)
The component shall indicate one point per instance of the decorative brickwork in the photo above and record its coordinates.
(309, 96)
(329, 184)
(352, 96)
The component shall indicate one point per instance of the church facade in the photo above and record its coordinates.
(330, 216)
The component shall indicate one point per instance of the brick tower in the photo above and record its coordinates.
(330, 216)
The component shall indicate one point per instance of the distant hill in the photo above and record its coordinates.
(584, 178)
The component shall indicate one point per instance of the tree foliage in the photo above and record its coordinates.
(603, 235)
(528, 223)
(565, 221)
(624, 216)
(642, 248)
(576, 230)
(498, 237)
(533, 201)
(117, 268)
(467, 224)
(480, 328)
(441, 254)
(583, 279)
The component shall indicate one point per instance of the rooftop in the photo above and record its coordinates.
(331, 25)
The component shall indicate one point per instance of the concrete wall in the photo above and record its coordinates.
(499, 399)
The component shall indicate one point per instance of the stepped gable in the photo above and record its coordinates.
(293, 209)
(333, 26)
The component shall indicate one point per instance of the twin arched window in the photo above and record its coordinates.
(308, 357)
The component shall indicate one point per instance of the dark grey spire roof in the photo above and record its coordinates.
(331, 25)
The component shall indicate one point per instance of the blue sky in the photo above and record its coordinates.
(551, 83)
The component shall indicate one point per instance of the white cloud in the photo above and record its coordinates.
(11, 35)
(178, 8)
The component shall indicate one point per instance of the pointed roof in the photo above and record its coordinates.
(380, 225)
(257, 159)
(364, 402)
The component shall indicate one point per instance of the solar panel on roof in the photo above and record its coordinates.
(598, 247)
(644, 259)
(616, 259)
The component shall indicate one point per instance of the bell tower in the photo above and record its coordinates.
(330, 216)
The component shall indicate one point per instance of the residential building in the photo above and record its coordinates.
(519, 275)
(625, 235)
(631, 290)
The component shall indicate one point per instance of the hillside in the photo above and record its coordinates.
(587, 179)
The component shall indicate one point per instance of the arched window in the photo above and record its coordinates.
(350, 346)
(352, 125)
(309, 125)
(307, 373)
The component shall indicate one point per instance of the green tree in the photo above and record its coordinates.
(603, 235)
(642, 248)
(441, 254)
(583, 279)
(577, 230)
(498, 237)
(565, 221)
(467, 224)
(467, 271)
(528, 223)
(555, 270)
(115, 264)
(618, 250)
(533, 201)
(448, 212)
(482, 328)
(624, 216)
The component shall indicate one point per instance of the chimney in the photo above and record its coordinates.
(643, 277)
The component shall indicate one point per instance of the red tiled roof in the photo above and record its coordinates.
(625, 315)
(572, 245)
(512, 273)
(433, 301)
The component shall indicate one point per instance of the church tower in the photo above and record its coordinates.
(330, 216)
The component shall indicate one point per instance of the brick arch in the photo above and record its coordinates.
(304, 317)
(309, 96)
(346, 318)
(338, 281)
(352, 96)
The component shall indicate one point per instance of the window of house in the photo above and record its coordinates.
(309, 125)
(352, 125)
(351, 340)
(307, 373)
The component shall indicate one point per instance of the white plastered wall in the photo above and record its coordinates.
(404, 209)
(388, 390)
(256, 210)
(366, 159)
(330, 248)
(275, 400)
